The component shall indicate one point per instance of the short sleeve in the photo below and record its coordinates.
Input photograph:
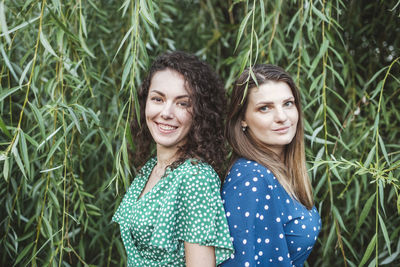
(200, 214)
(254, 217)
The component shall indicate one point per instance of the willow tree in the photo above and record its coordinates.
(69, 75)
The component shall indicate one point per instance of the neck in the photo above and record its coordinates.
(165, 157)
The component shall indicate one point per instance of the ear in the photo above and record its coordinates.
(243, 123)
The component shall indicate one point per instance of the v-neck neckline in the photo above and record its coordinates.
(148, 174)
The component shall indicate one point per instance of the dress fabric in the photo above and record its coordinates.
(268, 227)
(185, 205)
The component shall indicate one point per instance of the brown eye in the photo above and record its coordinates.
(183, 104)
(156, 99)
(289, 103)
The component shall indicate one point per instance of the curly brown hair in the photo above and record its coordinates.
(205, 140)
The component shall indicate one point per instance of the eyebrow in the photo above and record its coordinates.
(162, 94)
(269, 103)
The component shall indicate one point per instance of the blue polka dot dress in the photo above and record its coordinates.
(268, 227)
(184, 206)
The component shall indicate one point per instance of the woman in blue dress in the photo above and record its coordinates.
(267, 193)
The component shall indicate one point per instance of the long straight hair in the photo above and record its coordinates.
(292, 172)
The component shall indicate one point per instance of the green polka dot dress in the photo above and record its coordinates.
(185, 205)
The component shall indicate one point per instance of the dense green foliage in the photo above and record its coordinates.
(69, 73)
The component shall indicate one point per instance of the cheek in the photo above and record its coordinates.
(150, 109)
(187, 120)
(185, 116)
(294, 116)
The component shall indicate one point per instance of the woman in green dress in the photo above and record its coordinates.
(172, 214)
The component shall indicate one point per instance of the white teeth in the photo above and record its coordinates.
(166, 127)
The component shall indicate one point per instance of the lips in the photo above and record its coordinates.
(282, 130)
(166, 128)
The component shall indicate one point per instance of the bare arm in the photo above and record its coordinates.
(199, 256)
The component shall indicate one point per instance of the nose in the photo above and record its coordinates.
(280, 115)
(167, 111)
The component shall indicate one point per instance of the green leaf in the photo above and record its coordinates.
(8, 92)
(322, 51)
(262, 11)
(339, 217)
(365, 212)
(3, 23)
(127, 34)
(129, 137)
(149, 17)
(337, 75)
(375, 76)
(329, 241)
(243, 64)
(242, 27)
(125, 156)
(74, 119)
(381, 194)
(127, 70)
(93, 207)
(83, 24)
(398, 204)
(23, 75)
(4, 129)
(383, 148)
(291, 23)
(370, 156)
(120, 118)
(46, 45)
(22, 25)
(14, 151)
(24, 151)
(253, 76)
(319, 140)
(39, 119)
(319, 13)
(317, 159)
(54, 199)
(333, 116)
(335, 173)
(49, 137)
(6, 167)
(385, 233)
(53, 149)
(23, 253)
(51, 169)
(85, 48)
(368, 252)
(63, 27)
(315, 133)
(106, 141)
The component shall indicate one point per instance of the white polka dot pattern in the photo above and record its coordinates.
(268, 227)
(185, 205)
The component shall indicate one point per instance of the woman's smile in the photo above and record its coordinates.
(168, 109)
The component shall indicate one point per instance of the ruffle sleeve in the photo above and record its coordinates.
(194, 213)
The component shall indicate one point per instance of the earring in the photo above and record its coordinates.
(244, 128)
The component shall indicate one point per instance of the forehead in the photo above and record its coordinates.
(168, 82)
(271, 91)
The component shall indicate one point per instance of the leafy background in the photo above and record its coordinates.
(69, 74)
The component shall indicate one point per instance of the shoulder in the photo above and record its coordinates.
(196, 170)
(244, 170)
(196, 167)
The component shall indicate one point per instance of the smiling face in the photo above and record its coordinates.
(168, 110)
(271, 115)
